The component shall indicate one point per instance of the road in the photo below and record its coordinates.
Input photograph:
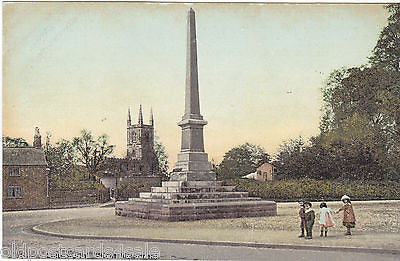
(17, 234)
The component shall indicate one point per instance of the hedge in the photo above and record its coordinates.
(309, 189)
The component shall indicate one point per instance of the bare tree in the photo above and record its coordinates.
(92, 152)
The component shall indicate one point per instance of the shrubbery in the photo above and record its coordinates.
(309, 189)
(126, 191)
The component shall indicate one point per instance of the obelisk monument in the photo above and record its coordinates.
(192, 160)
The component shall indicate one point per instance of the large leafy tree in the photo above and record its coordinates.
(61, 159)
(92, 152)
(241, 160)
(369, 91)
(386, 53)
(360, 127)
(290, 159)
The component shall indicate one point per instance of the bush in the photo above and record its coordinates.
(127, 191)
(310, 189)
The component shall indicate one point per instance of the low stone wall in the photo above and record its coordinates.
(66, 197)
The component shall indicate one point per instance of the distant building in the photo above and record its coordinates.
(25, 177)
(265, 172)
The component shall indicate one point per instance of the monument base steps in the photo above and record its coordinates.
(194, 200)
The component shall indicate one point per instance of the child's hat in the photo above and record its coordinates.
(307, 203)
(345, 197)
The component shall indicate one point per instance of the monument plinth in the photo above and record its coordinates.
(193, 192)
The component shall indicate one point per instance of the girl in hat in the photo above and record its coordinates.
(349, 220)
(325, 218)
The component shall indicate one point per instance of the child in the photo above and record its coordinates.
(309, 216)
(349, 220)
(302, 218)
(325, 218)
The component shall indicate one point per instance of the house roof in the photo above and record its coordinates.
(269, 163)
(26, 156)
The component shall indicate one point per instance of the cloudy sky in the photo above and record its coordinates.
(69, 66)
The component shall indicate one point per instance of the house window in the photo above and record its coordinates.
(14, 172)
(14, 192)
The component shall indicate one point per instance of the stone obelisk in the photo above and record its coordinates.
(192, 160)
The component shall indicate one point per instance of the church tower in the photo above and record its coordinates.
(140, 144)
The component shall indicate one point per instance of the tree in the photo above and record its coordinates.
(290, 159)
(386, 53)
(242, 160)
(92, 152)
(61, 160)
(357, 150)
(362, 121)
(14, 142)
(360, 127)
(162, 157)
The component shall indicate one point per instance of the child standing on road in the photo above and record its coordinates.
(349, 220)
(325, 218)
(309, 216)
(302, 218)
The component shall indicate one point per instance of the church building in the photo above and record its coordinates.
(140, 164)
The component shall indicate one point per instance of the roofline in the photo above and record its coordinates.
(32, 165)
(26, 147)
(268, 163)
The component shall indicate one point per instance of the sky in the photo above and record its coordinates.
(73, 66)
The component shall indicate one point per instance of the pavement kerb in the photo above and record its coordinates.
(219, 243)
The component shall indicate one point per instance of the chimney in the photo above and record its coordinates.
(37, 139)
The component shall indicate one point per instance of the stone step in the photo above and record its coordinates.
(196, 211)
(204, 183)
(177, 201)
(172, 183)
(202, 195)
(193, 189)
(192, 183)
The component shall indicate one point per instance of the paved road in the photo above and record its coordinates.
(17, 232)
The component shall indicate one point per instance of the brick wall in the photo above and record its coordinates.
(66, 197)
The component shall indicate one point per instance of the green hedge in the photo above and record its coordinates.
(309, 189)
